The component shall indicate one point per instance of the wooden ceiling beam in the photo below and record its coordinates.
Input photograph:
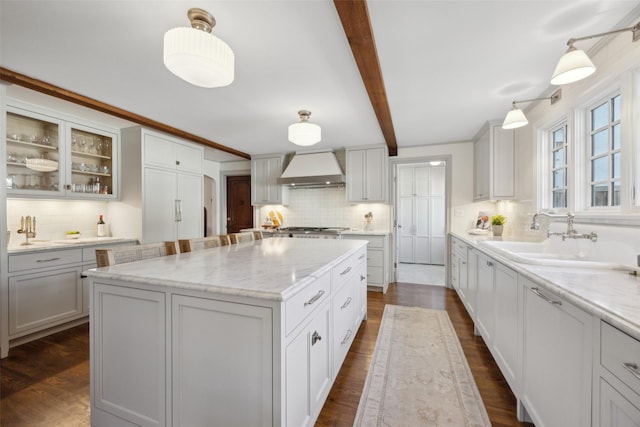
(67, 95)
(354, 15)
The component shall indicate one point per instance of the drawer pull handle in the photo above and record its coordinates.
(633, 368)
(346, 303)
(315, 337)
(315, 298)
(346, 337)
(48, 260)
(546, 298)
(361, 256)
(362, 277)
(489, 264)
(346, 270)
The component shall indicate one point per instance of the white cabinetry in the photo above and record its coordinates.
(377, 258)
(616, 379)
(458, 277)
(484, 298)
(265, 189)
(367, 175)
(557, 360)
(164, 187)
(46, 293)
(177, 357)
(494, 163)
(239, 394)
(308, 369)
(79, 159)
(507, 331)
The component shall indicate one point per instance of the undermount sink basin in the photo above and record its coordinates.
(580, 253)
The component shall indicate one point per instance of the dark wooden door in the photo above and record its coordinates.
(239, 209)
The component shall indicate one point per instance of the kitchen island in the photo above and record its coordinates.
(252, 334)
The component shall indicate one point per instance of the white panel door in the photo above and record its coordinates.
(421, 214)
(421, 238)
(405, 233)
(437, 230)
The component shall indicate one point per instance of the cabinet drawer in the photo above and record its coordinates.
(346, 268)
(620, 354)
(375, 258)
(375, 275)
(345, 313)
(304, 302)
(44, 259)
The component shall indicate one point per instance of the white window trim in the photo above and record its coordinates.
(627, 84)
(545, 184)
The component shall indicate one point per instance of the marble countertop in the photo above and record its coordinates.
(273, 269)
(612, 295)
(365, 232)
(49, 245)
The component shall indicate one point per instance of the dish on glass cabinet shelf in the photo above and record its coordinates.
(42, 165)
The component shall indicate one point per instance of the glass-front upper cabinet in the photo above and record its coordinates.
(92, 160)
(35, 160)
(49, 156)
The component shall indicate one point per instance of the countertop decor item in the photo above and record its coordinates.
(497, 224)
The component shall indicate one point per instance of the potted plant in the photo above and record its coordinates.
(497, 224)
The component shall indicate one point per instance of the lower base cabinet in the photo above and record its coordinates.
(41, 300)
(557, 360)
(308, 370)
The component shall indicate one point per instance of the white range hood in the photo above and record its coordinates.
(313, 169)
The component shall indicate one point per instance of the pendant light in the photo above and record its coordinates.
(304, 133)
(516, 118)
(575, 65)
(197, 56)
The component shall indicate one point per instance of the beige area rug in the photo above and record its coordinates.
(418, 374)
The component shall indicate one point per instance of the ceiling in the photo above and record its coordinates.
(448, 66)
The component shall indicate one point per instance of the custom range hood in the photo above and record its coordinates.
(313, 169)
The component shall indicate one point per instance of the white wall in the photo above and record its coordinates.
(618, 57)
(463, 209)
(56, 217)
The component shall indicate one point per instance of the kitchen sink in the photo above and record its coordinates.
(558, 253)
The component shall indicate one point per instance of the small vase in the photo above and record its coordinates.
(497, 230)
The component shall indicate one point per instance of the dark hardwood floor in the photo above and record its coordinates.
(46, 382)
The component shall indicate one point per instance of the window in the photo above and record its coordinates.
(604, 153)
(558, 150)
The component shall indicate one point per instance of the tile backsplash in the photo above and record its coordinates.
(55, 217)
(327, 207)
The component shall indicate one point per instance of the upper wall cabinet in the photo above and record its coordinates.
(49, 155)
(265, 190)
(367, 175)
(494, 164)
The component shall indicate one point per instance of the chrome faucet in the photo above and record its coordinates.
(571, 232)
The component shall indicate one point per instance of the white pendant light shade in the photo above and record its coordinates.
(573, 66)
(514, 119)
(197, 56)
(304, 133)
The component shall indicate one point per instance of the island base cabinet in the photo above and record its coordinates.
(128, 357)
(557, 360)
(615, 409)
(221, 363)
(308, 370)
